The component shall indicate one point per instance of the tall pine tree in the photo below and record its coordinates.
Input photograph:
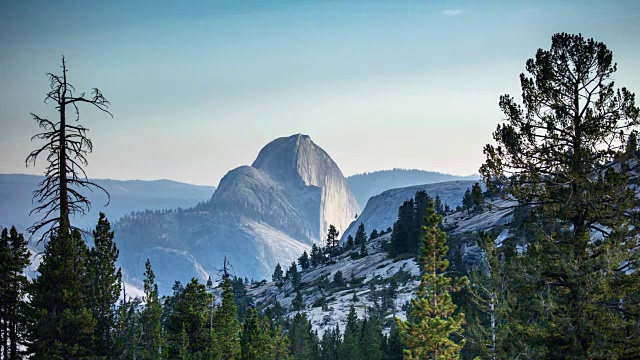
(433, 318)
(61, 323)
(104, 286)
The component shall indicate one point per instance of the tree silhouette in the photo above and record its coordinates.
(66, 146)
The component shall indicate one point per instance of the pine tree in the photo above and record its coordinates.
(477, 197)
(350, 243)
(350, 347)
(303, 261)
(316, 256)
(152, 341)
(374, 234)
(439, 206)
(298, 303)
(428, 333)
(61, 323)
(333, 241)
(330, 344)
(227, 328)
(294, 276)
(467, 200)
(304, 341)
(395, 348)
(14, 258)
(183, 348)
(104, 285)
(361, 235)
(190, 312)
(253, 341)
(363, 249)
(371, 340)
(128, 330)
(277, 273)
(557, 153)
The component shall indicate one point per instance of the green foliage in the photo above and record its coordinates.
(350, 243)
(190, 312)
(104, 285)
(14, 258)
(227, 328)
(556, 153)
(277, 273)
(333, 240)
(61, 323)
(303, 261)
(428, 333)
(304, 341)
(350, 347)
(330, 344)
(361, 235)
(405, 237)
(294, 276)
(297, 304)
(338, 280)
(316, 257)
(152, 337)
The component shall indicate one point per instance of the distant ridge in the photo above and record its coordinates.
(368, 184)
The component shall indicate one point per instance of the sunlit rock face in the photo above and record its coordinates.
(260, 215)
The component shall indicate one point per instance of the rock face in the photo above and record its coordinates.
(259, 216)
(382, 210)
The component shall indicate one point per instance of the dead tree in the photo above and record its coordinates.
(59, 195)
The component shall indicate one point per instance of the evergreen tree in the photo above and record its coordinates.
(439, 206)
(183, 349)
(428, 333)
(467, 201)
(190, 313)
(277, 273)
(294, 276)
(316, 256)
(363, 249)
(14, 258)
(350, 347)
(557, 153)
(61, 323)
(477, 197)
(152, 340)
(330, 344)
(253, 341)
(333, 241)
(104, 286)
(128, 330)
(374, 234)
(338, 280)
(304, 341)
(350, 243)
(361, 235)
(394, 349)
(371, 340)
(227, 328)
(303, 261)
(298, 303)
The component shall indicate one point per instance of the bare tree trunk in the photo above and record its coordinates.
(64, 199)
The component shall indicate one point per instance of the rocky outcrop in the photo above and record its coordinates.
(259, 216)
(382, 210)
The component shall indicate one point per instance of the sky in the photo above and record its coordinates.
(197, 88)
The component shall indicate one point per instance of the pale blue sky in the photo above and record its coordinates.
(198, 89)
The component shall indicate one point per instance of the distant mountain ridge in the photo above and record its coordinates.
(126, 196)
(369, 184)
